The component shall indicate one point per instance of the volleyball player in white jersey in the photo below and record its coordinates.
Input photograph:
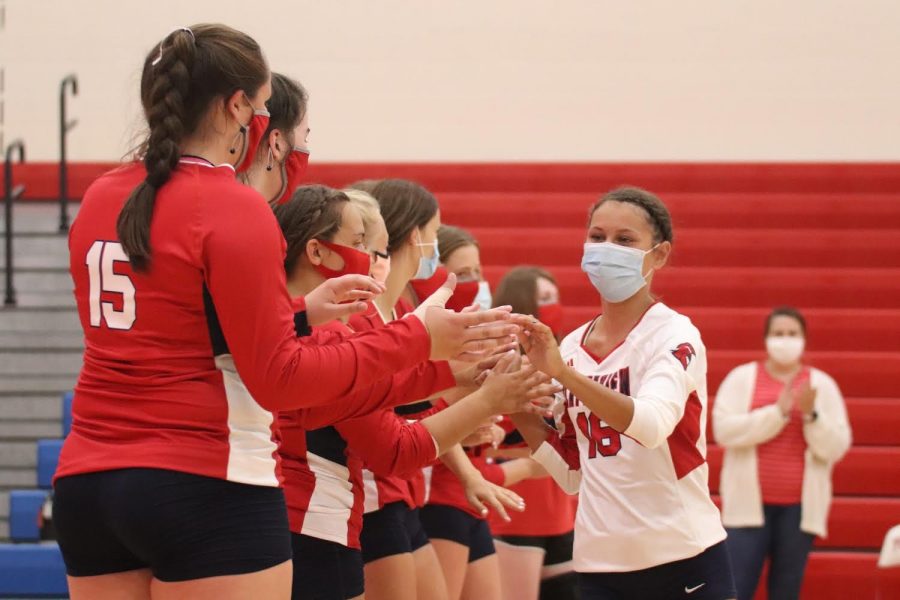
(633, 421)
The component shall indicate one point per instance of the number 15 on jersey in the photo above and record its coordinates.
(101, 260)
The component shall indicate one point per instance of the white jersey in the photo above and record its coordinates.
(644, 493)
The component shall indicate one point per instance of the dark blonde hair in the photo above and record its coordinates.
(405, 206)
(451, 239)
(183, 75)
(518, 289)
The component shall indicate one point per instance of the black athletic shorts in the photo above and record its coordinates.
(393, 529)
(325, 570)
(558, 547)
(448, 523)
(706, 576)
(178, 525)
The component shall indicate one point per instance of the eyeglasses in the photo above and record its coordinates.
(382, 255)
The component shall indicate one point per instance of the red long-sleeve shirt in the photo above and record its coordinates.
(151, 393)
(323, 448)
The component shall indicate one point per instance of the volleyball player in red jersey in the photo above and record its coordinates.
(459, 533)
(549, 520)
(400, 562)
(166, 484)
(323, 465)
(283, 155)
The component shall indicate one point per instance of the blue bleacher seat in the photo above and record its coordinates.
(67, 413)
(48, 457)
(24, 508)
(32, 571)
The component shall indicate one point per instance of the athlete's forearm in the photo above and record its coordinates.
(611, 406)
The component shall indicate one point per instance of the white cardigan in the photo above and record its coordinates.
(740, 430)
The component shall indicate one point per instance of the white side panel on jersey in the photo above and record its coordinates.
(370, 492)
(565, 478)
(331, 502)
(251, 450)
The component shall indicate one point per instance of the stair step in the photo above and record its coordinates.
(749, 287)
(20, 455)
(40, 279)
(831, 329)
(720, 247)
(11, 479)
(37, 385)
(689, 210)
(38, 250)
(862, 374)
(30, 430)
(864, 471)
(30, 408)
(24, 319)
(40, 218)
(873, 421)
(40, 339)
(15, 362)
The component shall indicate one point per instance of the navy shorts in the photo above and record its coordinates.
(558, 548)
(706, 576)
(394, 529)
(448, 523)
(178, 525)
(325, 570)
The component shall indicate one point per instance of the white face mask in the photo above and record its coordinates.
(616, 271)
(785, 350)
(483, 297)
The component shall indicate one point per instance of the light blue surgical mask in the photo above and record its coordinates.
(428, 265)
(483, 297)
(616, 271)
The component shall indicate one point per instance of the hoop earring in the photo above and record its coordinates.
(269, 161)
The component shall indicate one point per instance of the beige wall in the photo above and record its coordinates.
(576, 80)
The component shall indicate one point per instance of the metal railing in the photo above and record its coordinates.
(69, 82)
(18, 146)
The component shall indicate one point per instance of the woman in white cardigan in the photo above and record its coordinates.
(784, 426)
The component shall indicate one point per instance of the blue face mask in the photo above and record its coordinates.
(483, 297)
(616, 271)
(428, 265)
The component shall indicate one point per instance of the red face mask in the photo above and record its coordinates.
(551, 315)
(426, 287)
(463, 295)
(356, 262)
(293, 170)
(251, 136)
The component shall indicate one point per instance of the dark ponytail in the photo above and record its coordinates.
(164, 88)
(181, 78)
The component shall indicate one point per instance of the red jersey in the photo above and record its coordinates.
(780, 461)
(381, 489)
(445, 488)
(323, 449)
(150, 393)
(549, 511)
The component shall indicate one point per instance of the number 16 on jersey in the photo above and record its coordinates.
(602, 439)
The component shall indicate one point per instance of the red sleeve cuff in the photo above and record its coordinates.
(298, 304)
(493, 473)
(444, 379)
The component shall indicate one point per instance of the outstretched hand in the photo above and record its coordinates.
(468, 336)
(540, 345)
(340, 297)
